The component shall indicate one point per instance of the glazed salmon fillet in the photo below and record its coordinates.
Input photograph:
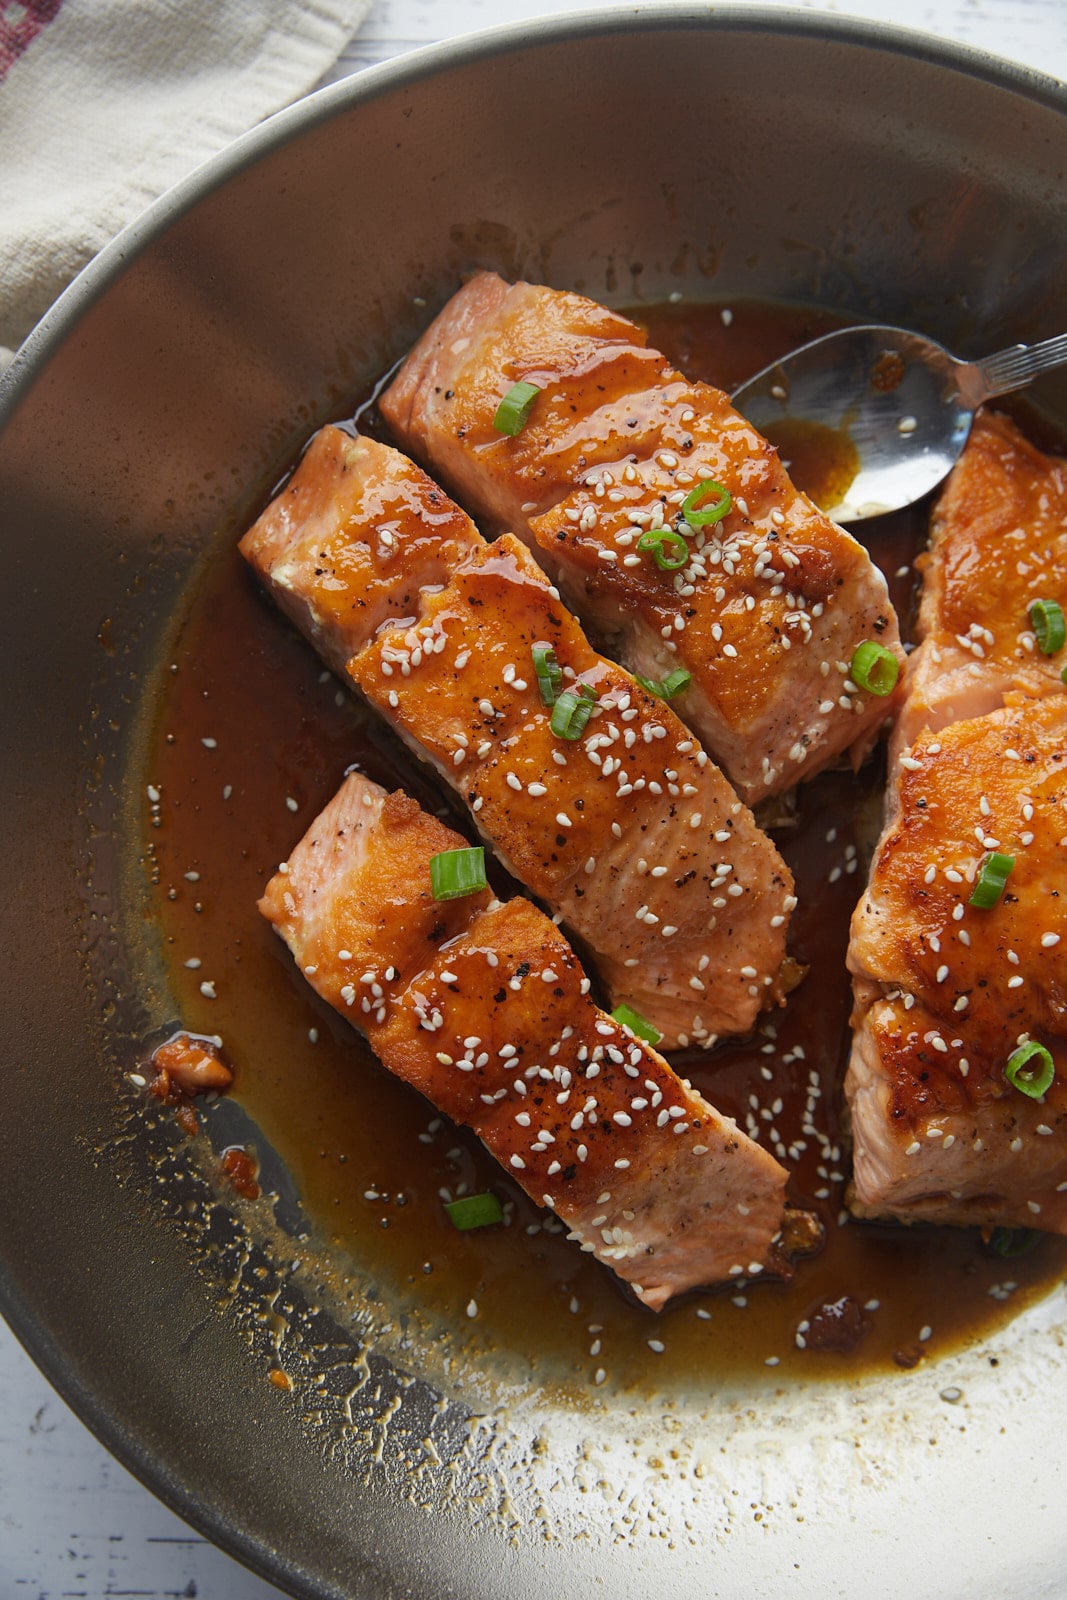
(773, 599)
(946, 992)
(625, 830)
(331, 542)
(482, 1006)
(998, 543)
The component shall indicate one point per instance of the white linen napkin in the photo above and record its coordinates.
(106, 103)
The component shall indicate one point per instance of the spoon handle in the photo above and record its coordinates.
(1013, 368)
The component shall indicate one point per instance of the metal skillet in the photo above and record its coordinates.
(788, 155)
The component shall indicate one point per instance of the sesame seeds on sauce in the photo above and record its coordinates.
(351, 1131)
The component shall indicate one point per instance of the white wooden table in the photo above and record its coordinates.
(73, 1523)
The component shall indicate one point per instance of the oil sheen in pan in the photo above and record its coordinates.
(252, 739)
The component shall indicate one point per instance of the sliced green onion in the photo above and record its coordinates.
(699, 515)
(991, 880)
(513, 412)
(572, 711)
(666, 688)
(1009, 1242)
(1031, 1080)
(1046, 619)
(549, 672)
(669, 549)
(454, 873)
(475, 1211)
(874, 668)
(637, 1025)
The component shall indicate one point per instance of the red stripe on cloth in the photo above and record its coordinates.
(20, 23)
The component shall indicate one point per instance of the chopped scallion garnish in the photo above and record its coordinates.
(991, 880)
(513, 412)
(475, 1211)
(874, 668)
(1031, 1069)
(549, 672)
(454, 873)
(572, 711)
(1046, 619)
(697, 510)
(637, 1025)
(1009, 1242)
(669, 550)
(666, 688)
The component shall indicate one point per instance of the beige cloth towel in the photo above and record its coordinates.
(104, 104)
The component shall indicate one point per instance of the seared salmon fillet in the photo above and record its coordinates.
(626, 830)
(998, 543)
(773, 599)
(483, 1007)
(344, 549)
(947, 992)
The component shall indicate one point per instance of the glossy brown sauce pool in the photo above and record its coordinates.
(252, 740)
(820, 460)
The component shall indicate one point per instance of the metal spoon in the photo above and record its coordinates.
(898, 406)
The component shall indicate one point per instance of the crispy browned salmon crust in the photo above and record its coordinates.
(772, 600)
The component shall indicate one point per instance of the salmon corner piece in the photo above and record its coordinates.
(998, 543)
(483, 1007)
(773, 599)
(946, 992)
(345, 547)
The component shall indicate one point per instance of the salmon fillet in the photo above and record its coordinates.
(773, 600)
(482, 1006)
(946, 992)
(628, 832)
(346, 549)
(998, 543)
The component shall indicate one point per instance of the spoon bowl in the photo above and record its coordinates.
(890, 407)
